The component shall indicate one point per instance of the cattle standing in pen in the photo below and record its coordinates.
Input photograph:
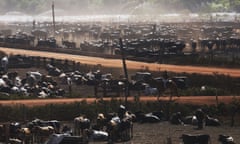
(200, 118)
(120, 127)
(177, 118)
(4, 64)
(41, 133)
(80, 124)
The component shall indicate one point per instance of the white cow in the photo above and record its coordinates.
(33, 78)
(4, 63)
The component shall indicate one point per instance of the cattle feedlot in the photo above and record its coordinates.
(160, 132)
(69, 86)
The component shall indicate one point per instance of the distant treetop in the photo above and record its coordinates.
(35, 7)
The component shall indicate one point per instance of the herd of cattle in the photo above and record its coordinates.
(57, 80)
(111, 127)
(140, 40)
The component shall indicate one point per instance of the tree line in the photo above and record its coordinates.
(121, 6)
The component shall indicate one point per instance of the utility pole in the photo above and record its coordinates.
(53, 15)
(125, 71)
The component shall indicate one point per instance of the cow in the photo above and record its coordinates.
(210, 121)
(64, 139)
(68, 44)
(120, 127)
(67, 130)
(42, 123)
(25, 134)
(2, 131)
(33, 78)
(225, 139)
(195, 139)
(191, 119)
(147, 118)
(201, 116)
(13, 129)
(101, 122)
(96, 135)
(162, 84)
(177, 118)
(47, 43)
(80, 124)
(14, 141)
(41, 133)
(4, 63)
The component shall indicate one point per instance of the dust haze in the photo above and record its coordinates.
(83, 7)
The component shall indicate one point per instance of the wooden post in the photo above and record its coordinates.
(217, 97)
(125, 70)
(53, 15)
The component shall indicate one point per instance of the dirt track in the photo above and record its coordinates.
(130, 64)
(198, 100)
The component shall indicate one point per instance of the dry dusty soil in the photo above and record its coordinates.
(116, 63)
(197, 100)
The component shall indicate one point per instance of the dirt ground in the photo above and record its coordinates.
(116, 63)
(159, 132)
(197, 100)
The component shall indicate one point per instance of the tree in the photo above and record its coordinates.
(117, 6)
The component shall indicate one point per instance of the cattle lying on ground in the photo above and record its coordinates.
(153, 117)
(191, 120)
(225, 139)
(210, 121)
(96, 135)
(42, 123)
(64, 139)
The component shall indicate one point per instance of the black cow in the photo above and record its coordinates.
(48, 43)
(42, 123)
(177, 118)
(200, 118)
(212, 121)
(96, 135)
(80, 124)
(120, 129)
(195, 139)
(68, 44)
(13, 129)
(147, 118)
